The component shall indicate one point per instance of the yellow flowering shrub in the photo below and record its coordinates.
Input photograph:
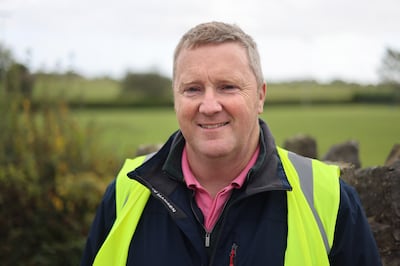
(50, 183)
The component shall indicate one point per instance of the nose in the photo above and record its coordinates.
(210, 103)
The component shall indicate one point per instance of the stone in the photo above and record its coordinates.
(344, 153)
(394, 155)
(378, 189)
(302, 144)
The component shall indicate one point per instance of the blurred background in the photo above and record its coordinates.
(86, 84)
(307, 39)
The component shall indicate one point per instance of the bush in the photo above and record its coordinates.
(376, 97)
(19, 80)
(52, 177)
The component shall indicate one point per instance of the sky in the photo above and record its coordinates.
(297, 39)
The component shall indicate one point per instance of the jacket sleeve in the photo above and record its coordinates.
(354, 243)
(101, 226)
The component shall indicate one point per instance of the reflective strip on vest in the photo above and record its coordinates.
(313, 204)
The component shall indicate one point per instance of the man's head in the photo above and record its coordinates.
(217, 94)
(217, 33)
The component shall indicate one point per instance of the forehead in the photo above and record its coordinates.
(222, 57)
(225, 48)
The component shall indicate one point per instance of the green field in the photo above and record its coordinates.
(375, 127)
(75, 89)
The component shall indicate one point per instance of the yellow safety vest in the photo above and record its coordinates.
(313, 204)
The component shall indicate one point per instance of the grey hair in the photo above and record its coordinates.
(217, 33)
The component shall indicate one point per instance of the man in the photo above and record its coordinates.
(219, 192)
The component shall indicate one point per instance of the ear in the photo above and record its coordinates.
(261, 97)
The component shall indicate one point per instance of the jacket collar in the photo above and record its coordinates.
(267, 173)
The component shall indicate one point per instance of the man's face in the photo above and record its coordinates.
(217, 101)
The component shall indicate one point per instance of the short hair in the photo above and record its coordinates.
(217, 33)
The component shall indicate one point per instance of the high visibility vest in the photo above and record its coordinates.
(312, 203)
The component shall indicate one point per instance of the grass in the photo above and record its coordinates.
(308, 92)
(75, 88)
(375, 127)
(122, 131)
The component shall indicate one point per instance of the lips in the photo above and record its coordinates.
(213, 126)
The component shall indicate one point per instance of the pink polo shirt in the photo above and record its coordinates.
(212, 207)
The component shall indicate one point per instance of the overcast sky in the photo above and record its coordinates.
(297, 39)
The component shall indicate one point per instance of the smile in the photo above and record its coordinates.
(212, 126)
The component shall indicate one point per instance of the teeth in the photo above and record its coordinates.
(213, 125)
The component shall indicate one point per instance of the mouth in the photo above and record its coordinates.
(213, 126)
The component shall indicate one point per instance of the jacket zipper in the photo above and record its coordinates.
(207, 236)
(232, 255)
(207, 239)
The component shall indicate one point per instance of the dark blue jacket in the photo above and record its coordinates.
(253, 225)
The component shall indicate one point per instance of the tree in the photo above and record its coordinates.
(6, 60)
(389, 71)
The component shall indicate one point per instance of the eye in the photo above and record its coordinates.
(190, 91)
(228, 87)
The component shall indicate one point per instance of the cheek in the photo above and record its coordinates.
(184, 109)
(178, 104)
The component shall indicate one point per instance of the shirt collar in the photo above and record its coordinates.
(238, 182)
